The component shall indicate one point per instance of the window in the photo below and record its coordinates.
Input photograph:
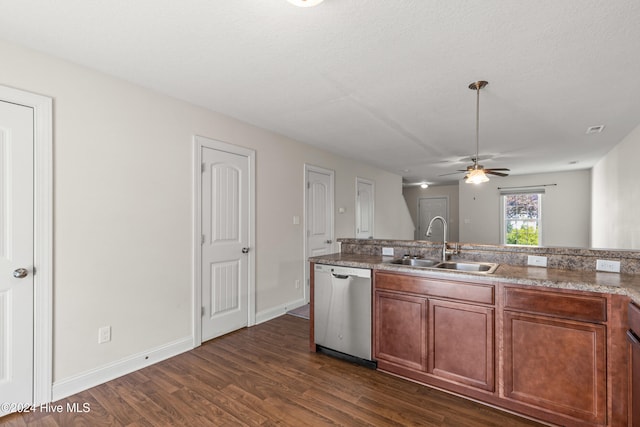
(522, 217)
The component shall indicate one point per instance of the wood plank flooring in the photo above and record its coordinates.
(264, 376)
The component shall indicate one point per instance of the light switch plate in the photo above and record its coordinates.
(387, 251)
(537, 261)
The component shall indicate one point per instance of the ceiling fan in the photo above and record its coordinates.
(476, 173)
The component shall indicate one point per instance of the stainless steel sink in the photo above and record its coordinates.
(467, 266)
(478, 267)
(413, 262)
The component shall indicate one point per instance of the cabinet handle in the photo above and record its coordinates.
(632, 338)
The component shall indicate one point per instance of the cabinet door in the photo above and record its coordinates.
(634, 364)
(555, 364)
(461, 346)
(634, 379)
(400, 329)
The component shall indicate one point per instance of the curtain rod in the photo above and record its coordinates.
(527, 186)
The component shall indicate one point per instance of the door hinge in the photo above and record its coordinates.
(308, 184)
(203, 167)
(202, 239)
(202, 311)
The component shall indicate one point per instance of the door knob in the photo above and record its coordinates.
(329, 241)
(20, 273)
(245, 250)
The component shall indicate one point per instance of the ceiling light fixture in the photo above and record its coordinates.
(305, 3)
(424, 185)
(476, 174)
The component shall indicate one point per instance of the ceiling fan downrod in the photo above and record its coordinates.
(477, 86)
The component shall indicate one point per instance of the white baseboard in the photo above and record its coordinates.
(278, 311)
(94, 377)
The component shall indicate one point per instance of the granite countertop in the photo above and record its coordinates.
(593, 281)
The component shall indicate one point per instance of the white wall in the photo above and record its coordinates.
(565, 208)
(123, 209)
(616, 196)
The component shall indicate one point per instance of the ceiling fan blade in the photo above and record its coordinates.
(498, 169)
(489, 171)
(452, 173)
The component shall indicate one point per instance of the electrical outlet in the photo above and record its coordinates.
(387, 251)
(537, 261)
(104, 334)
(607, 265)
(297, 284)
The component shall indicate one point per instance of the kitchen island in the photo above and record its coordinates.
(548, 343)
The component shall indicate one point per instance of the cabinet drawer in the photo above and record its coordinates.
(479, 293)
(569, 306)
(634, 318)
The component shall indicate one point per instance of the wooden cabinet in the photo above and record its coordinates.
(633, 337)
(461, 343)
(555, 355)
(442, 331)
(555, 352)
(554, 364)
(401, 329)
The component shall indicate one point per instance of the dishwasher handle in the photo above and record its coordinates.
(340, 276)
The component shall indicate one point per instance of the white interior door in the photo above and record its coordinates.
(365, 207)
(16, 255)
(319, 214)
(225, 201)
(429, 207)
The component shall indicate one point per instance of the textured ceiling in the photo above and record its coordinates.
(378, 80)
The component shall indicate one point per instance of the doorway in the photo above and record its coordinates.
(224, 296)
(25, 247)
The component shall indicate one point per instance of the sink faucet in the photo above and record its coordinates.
(445, 251)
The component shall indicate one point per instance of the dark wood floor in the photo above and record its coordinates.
(264, 376)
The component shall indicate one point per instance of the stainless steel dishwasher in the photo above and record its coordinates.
(342, 312)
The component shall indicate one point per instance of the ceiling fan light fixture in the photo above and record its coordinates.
(476, 173)
(305, 3)
(476, 176)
